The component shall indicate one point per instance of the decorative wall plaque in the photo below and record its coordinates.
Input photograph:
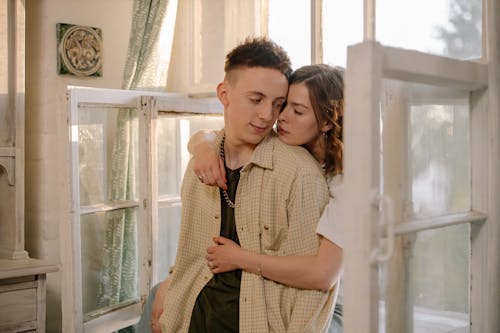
(79, 50)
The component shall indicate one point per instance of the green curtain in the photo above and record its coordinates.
(144, 69)
(119, 273)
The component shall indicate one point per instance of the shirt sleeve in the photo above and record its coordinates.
(309, 308)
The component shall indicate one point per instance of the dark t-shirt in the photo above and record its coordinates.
(217, 306)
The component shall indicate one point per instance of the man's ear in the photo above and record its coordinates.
(222, 92)
(327, 125)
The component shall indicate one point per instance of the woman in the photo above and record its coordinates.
(312, 118)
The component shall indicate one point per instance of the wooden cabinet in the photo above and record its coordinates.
(22, 294)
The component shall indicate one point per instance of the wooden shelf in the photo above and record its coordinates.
(7, 151)
(11, 268)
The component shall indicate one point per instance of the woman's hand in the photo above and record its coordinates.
(157, 308)
(209, 167)
(226, 256)
(207, 164)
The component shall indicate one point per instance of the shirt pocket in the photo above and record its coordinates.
(272, 237)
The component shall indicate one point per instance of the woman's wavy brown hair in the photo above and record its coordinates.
(326, 91)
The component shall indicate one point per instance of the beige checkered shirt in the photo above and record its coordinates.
(280, 197)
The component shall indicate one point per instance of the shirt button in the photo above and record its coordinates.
(266, 227)
(245, 299)
(216, 217)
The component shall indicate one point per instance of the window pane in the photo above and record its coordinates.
(290, 27)
(444, 27)
(108, 154)
(168, 150)
(440, 156)
(169, 223)
(173, 135)
(109, 259)
(174, 131)
(437, 144)
(440, 280)
(435, 278)
(342, 22)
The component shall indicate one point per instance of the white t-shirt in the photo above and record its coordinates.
(330, 223)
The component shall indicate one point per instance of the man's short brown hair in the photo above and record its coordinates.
(259, 52)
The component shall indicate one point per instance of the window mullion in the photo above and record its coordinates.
(108, 206)
(316, 32)
(369, 20)
(438, 222)
(148, 189)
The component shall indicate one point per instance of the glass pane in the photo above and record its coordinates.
(169, 223)
(440, 157)
(440, 280)
(173, 135)
(290, 27)
(342, 26)
(169, 174)
(433, 276)
(437, 145)
(109, 259)
(108, 154)
(444, 27)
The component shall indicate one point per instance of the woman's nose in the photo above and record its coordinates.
(283, 115)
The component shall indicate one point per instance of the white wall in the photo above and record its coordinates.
(48, 202)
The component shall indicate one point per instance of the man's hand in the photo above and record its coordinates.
(157, 309)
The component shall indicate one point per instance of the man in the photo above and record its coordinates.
(275, 196)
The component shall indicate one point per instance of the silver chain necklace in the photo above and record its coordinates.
(222, 155)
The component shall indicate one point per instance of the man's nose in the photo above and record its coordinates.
(266, 112)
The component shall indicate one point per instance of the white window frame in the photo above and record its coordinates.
(148, 105)
(368, 63)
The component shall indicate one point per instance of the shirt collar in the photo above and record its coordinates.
(263, 153)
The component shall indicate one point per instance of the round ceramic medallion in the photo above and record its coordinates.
(81, 51)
